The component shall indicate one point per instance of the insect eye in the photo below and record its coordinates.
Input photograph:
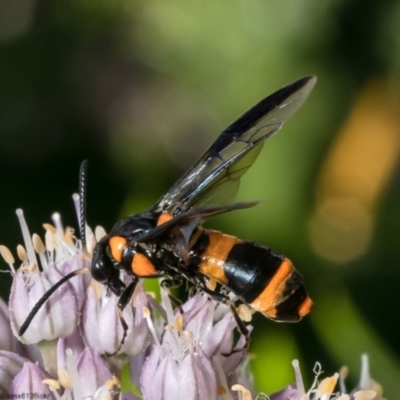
(102, 268)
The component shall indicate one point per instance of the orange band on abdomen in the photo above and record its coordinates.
(272, 294)
(305, 307)
(214, 257)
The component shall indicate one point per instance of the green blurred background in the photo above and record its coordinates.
(141, 88)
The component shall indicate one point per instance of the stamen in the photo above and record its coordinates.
(69, 235)
(96, 289)
(365, 395)
(244, 312)
(99, 233)
(167, 306)
(110, 389)
(6, 254)
(365, 377)
(73, 372)
(343, 373)
(58, 224)
(157, 306)
(38, 244)
(317, 371)
(147, 315)
(179, 322)
(166, 302)
(8, 257)
(64, 378)
(298, 377)
(222, 377)
(327, 386)
(188, 335)
(90, 240)
(40, 249)
(57, 243)
(377, 387)
(52, 383)
(22, 254)
(113, 382)
(27, 237)
(31, 268)
(245, 394)
(50, 227)
(49, 238)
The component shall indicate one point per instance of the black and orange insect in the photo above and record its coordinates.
(168, 240)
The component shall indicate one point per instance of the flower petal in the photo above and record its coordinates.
(93, 370)
(149, 369)
(220, 338)
(10, 365)
(30, 380)
(289, 393)
(7, 339)
(73, 342)
(57, 318)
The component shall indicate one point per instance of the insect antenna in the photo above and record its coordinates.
(82, 203)
(80, 271)
(45, 297)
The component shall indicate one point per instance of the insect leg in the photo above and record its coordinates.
(242, 329)
(171, 283)
(175, 282)
(223, 298)
(123, 301)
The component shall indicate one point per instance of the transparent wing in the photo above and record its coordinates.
(175, 234)
(214, 179)
(184, 220)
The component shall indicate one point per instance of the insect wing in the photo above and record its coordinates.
(214, 179)
(176, 233)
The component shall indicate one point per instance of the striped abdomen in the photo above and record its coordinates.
(262, 278)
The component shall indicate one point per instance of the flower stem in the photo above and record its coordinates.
(48, 351)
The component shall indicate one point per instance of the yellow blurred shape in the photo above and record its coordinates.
(355, 174)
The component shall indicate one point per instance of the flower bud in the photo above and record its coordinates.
(57, 318)
(10, 366)
(7, 339)
(102, 328)
(30, 380)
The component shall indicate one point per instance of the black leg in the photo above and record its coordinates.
(223, 298)
(220, 297)
(242, 329)
(123, 301)
(171, 283)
